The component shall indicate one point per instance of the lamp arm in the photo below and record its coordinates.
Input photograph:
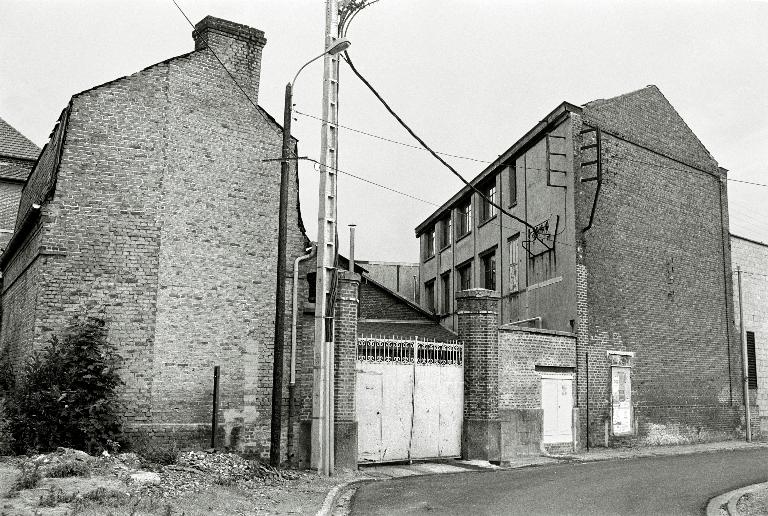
(304, 66)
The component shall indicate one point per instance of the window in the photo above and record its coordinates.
(429, 236)
(488, 210)
(465, 276)
(445, 286)
(445, 232)
(514, 263)
(512, 185)
(429, 295)
(751, 360)
(464, 218)
(489, 271)
(311, 286)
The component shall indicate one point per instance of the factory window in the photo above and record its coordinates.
(465, 276)
(464, 218)
(445, 286)
(487, 201)
(512, 185)
(489, 271)
(514, 263)
(429, 295)
(445, 232)
(429, 236)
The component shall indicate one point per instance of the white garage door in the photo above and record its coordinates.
(410, 397)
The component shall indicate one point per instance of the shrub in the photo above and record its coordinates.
(67, 393)
(29, 478)
(54, 496)
(68, 468)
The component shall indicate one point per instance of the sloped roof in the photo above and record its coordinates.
(14, 144)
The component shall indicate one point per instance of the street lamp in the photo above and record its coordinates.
(277, 366)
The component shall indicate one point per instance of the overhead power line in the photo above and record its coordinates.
(255, 106)
(428, 148)
(373, 183)
(383, 138)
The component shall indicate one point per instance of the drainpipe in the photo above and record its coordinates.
(537, 319)
(292, 383)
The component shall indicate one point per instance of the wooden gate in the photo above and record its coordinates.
(410, 397)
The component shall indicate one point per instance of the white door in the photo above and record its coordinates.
(557, 405)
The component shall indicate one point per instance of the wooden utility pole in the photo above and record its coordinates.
(322, 389)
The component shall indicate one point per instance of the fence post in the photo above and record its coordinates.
(215, 418)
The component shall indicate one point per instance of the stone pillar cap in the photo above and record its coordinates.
(477, 293)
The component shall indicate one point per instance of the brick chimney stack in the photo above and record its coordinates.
(238, 46)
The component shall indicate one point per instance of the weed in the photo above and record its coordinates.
(54, 497)
(68, 468)
(29, 478)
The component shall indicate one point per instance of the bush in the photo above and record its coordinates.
(67, 393)
(68, 468)
(29, 478)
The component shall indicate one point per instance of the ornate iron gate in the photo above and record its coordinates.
(410, 397)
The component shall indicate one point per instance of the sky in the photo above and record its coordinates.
(470, 77)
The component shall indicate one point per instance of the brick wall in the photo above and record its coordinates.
(656, 269)
(752, 257)
(521, 350)
(164, 216)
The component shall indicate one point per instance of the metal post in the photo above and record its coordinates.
(215, 418)
(351, 248)
(586, 379)
(322, 402)
(282, 236)
(744, 358)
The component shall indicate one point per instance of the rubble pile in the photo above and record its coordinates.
(196, 470)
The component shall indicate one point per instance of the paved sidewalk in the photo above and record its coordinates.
(654, 451)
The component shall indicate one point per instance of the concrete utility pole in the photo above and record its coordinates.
(744, 361)
(322, 389)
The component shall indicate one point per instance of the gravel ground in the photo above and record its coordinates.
(752, 504)
(71, 482)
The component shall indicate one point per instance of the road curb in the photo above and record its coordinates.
(330, 499)
(730, 499)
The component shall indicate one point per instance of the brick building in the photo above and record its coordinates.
(752, 257)
(17, 158)
(152, 208)
(624, 268)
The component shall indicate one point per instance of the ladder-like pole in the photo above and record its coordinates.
(322, 391)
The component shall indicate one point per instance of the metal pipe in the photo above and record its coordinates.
(290, 437)
(537, 319)
(744, 358)
(352, 248)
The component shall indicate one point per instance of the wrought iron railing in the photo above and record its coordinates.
(373, 349)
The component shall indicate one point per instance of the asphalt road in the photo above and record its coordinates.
(680, 484)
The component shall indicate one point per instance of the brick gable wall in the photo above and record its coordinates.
(655, 267)
(164, 223)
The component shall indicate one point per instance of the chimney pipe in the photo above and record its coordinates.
(352, 247)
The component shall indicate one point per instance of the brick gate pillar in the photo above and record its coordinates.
(478, 328)
(345, 356)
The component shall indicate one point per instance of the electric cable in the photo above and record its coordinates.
(383, 138)
(237, 83)
(427, 147)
